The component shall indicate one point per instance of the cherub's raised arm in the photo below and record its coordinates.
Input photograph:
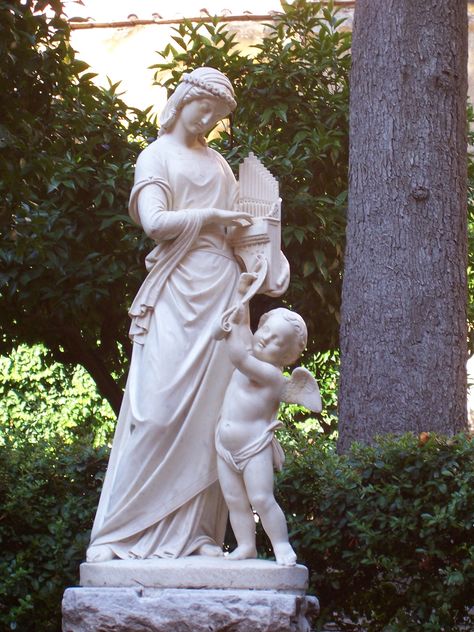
(239, 345)
(261, 372)
(239, 338)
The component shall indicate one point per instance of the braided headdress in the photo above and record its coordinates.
(200, 83)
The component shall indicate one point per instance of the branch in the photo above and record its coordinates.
(246, 17)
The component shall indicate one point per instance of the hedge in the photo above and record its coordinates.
(386, 531)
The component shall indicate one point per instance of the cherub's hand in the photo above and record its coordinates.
(245, 281)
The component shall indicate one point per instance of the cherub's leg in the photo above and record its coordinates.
(258, 478)
(240, 512)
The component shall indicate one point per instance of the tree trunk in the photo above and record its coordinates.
(403, 329)
(106, 385)
(75, 350)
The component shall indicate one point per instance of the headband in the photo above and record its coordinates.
(221, 93)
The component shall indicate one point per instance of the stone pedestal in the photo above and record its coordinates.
(194, 594)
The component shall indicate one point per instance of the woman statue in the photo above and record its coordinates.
(161, 497)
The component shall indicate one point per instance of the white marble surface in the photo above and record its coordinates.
(172, 610)
(247, 449)
(196, 572)
(161, 495)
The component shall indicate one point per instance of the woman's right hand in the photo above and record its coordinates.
(228, 218)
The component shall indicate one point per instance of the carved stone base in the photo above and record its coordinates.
(185, 610)
(193, 594)
(196, 571)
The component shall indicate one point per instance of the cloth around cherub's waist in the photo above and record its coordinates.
(238, 459)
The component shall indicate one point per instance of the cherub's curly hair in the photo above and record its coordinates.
(299, 328)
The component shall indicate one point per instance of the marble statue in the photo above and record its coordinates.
(161, 496)
(247, 448)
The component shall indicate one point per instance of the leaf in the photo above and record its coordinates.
(308, 268)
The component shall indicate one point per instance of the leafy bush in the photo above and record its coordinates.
(292, 111)
(50, 415)
(387, 531)
(42, 400)
(325, 366)
(48, 495)
(71, 259)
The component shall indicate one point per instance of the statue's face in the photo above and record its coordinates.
(273, 341)
(200, 115)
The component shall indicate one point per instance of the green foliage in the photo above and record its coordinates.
(71, 261)
(325, 366)
(50, 415)
(292, 95)
(48, 495)
(42, 400)
(386, 530)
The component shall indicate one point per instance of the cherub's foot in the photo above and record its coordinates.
(210, 550)
(243, 552)
(285, 556)
(99, 553)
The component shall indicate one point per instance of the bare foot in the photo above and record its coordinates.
(100, 553)
(285, 556)
(210, 550)
(243, 552)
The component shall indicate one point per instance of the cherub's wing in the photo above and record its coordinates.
(301, 388)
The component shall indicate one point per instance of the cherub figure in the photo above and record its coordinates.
(246, 446)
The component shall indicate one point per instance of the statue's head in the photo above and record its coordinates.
(281, 337)
(202, 83)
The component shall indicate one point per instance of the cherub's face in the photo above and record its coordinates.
(273, 341)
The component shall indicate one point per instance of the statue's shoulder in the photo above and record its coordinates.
(151, 151)
(220, 158)
(151, 161)
(214, 152)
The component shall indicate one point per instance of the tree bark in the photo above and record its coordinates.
(106, 385)
(403, 321)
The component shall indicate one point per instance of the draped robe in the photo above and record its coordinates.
(160, 495)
